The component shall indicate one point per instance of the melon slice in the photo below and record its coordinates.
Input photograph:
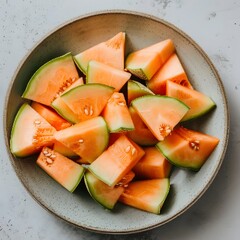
(147, 195)
(188, 148)
(136, 89)
(88, 139)
(110, 52)
(198, 102)
(50, 79)
(51, 116)
(115, 162)
(160, 113)
(117, 115)
(65, 151)
(87, 101)
(172, 70)
(98, 72)
(126, 179)
(153, 165)
(141, 134)
(62, 108)
(30, 132)
(145, 62)
(101, 192)
(63, 170)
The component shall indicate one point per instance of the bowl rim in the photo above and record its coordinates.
(167, 24)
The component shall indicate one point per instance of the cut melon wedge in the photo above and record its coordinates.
(145, 62)
(65, 151)
(87, 101)
(30, 132)
(198, 102)
(117, 115)
(153, 165)
(147, 195)
(102, 73)
(188, 148)
(127, 178)
(136, 89)
(101, 192)
(115, 162)
(51, 116)
(63, 170)
(141, 134)
(110, 52)
(88, 138)
(50, 79)
(160, 113)
(172, 70)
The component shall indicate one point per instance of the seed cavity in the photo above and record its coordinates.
(194, 145)
(165, 130)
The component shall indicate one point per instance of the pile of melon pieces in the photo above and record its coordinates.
(88, 119)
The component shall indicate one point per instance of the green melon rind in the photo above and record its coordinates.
(77, 62)
(139, 86)
(78, 181)
(31, 81)
(165, 197)
(103, 201)
(165, 152)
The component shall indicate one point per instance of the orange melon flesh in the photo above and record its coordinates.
(136, 89)
(188, 148)
(160, 113)
(101, 192)
(51, 116)
(63, 170)
(172, 70)
(98, 72)
(115, 162)
(110, 52)
(198, 102)
(153, 165)
(87, 101)
(141, 134)
(145, 62)
(30, 132)
(88, 139)
(126, 179)
(147, 195)
(50, 79)
(117, 115)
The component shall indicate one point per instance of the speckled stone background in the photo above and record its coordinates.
(215, 26)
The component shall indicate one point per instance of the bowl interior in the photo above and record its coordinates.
(186, 187)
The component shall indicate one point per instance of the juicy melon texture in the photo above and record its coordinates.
(188, 148)
(160, 113)
(101, 192)
(98, 72)
(30, 132)
(141, 133)
(110, 52)
(63, 170)
(172, 70)
(51, 116)
(136, 89)
(117, 115)
(153, 165)
(198, 102)
(115, 162)
(145, 62)
(88, 139)
(147, 195)
(87, 101)
(50, 79)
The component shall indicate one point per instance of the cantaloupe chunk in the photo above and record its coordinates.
(172, 70)
(145, 62)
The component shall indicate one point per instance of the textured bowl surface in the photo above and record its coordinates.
(186, 187)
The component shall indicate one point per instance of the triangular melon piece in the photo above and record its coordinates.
(110, 52)
(117, 115)
(145, 62)
(98, 72)
(88, 100)
(198, 102)
(172, 70)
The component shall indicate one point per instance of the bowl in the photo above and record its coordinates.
(186, 187)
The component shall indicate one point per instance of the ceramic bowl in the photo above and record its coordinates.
(141, 30)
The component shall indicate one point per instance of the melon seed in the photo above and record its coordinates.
(128, 148)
